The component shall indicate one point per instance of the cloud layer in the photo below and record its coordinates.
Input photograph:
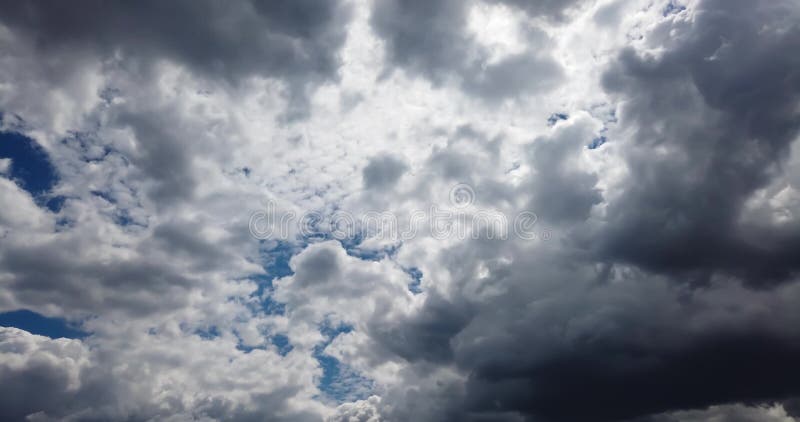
(654, 144)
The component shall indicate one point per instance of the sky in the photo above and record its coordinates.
(400, 210)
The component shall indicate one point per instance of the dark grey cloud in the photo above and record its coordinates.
(383, 171)
(296, 42)
(610, 14)
(424, 336)
(425, 37)
(562, 191)
(792, 406)
(767, 412)
(164, 154)
(431, 39)
(43, 385)
(317, 267)
(714, 117)
(60, 272)
(512, 76)
(558, 345)
(673, 300)
(619, 380)
(183, 239)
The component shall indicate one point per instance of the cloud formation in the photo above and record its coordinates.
(654, 144)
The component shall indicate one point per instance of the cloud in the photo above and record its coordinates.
(383, 172)
(734, 413)
(705, 137)
(42, 374)
(547, 8)
(293, 42)
(562, 189)
(654, 142)
(329, 284)
(74, 382)
(360, 411)
(431, 39)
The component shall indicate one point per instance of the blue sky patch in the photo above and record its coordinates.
(555, 117)
(277, 259)
(275, 255)
(247, 349)
(353, 250)
(281, 342)
(596, 142)
(416, 276)
(338, 382)
(39, 324)
(672, 8)
(30, 166)
(55, 203)
(208, 333)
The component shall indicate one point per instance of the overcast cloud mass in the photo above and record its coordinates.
(645, 154)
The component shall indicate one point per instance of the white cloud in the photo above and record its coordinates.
(5, 165)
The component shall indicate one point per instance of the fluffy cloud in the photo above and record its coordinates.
(655, 144)
(432, 39)
(704, 137)
(146, 378)
(294, 42)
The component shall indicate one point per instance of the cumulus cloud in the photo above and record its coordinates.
(328, 284)
(705, 138)
(41, 374)
(432, 39)
(294, 42)
(653, 144)
(360, 411)
(64, 379)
